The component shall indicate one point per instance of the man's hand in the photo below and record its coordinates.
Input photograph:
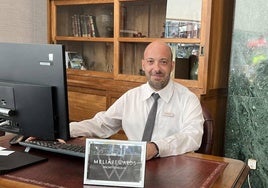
(31, 138)
(151, 150)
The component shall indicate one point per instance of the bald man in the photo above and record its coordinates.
(178, 126)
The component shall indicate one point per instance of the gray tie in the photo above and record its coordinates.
(149, 127)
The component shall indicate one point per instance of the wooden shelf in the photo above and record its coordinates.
(84, 39)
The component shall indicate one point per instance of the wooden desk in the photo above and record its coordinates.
(67, 171)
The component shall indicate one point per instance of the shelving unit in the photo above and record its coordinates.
(112, 57)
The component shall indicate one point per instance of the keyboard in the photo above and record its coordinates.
(56, 147)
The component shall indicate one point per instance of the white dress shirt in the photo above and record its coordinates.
(178, 124)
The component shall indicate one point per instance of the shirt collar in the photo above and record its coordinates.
(164, 93)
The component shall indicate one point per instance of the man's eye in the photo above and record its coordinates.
(164, 62)
(150, 61)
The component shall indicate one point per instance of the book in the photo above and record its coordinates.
(84, 26)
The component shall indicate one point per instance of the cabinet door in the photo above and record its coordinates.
(86, 28)
(177, 22)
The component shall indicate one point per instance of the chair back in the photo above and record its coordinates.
(2, 133)
(207, 139)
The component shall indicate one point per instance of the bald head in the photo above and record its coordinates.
(157, 64)
(158, 46)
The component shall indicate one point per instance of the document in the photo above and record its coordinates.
(4, 152)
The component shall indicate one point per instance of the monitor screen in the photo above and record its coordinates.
(33, 90)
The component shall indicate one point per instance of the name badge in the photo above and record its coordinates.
(114, 162)
(168, 114)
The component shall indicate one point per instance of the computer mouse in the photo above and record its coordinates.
(16, 139)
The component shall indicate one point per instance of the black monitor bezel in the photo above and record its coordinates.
(41, 65)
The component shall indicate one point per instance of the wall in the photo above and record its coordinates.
(23, 21)
(247, 117)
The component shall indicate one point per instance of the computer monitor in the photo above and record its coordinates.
(33, 90)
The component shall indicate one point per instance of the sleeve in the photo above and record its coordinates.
(103, 125)
(190, 136)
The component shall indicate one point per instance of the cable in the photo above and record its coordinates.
(249, 182)
(5, 122)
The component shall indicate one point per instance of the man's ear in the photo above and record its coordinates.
(142, 64)
(172, 65)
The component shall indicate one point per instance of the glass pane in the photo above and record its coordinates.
(89, 55)
(92, 20)
(183, 21)
(131, 55)
(166, 18)
(142, 18)
(186, 57)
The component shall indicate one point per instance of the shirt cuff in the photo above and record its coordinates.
(157, 154)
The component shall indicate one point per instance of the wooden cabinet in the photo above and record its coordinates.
(106, 39)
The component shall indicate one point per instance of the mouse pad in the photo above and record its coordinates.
(18, 160)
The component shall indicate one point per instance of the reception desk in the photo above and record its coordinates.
(188, 170)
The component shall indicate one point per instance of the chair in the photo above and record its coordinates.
(2, 133)
(207, 140)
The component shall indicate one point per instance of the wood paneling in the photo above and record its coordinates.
(84, 105)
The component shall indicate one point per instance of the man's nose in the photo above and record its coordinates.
(156, 65)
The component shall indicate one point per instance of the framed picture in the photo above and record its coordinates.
(114, 162)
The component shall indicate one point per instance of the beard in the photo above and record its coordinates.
(158, 84)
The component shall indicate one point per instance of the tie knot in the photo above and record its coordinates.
(155, 96)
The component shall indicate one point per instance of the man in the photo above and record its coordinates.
(178, 126)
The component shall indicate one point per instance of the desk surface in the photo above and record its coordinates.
(64, 171)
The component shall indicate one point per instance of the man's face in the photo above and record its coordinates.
(157, 65)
